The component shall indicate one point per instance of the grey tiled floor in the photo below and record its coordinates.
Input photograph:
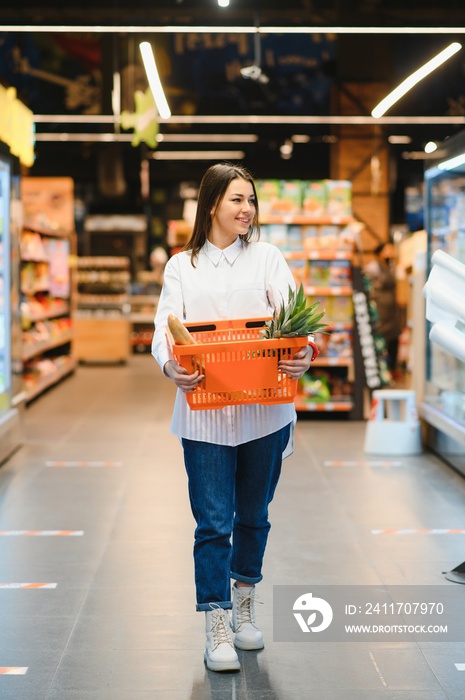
(121, 624)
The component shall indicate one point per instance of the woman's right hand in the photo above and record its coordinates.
(180, 376)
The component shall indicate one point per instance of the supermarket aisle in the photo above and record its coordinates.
(94, 507)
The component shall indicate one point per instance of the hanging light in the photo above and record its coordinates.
(415, 78)
(430, 147)
(154, 80)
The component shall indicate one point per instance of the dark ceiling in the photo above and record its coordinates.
(241, 12)
(203, 81)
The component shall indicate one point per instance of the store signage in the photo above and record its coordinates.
(16, 126)
(367, 343)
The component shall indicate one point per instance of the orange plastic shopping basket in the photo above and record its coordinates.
(240, 366)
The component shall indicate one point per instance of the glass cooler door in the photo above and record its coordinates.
(5, 321)
(10, 421)
(444, 401)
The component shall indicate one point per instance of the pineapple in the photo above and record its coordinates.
(295, 318)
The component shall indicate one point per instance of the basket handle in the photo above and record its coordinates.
(255, 324)
(200, 328)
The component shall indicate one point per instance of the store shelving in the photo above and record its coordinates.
(319, 253)
(103, 305)
(145, 293)
(46, 306)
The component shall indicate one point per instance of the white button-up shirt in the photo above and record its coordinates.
(245, 280)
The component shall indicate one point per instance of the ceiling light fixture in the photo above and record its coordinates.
(204, 29)
(254, 72)
(415, 78)
(399, 139)
(198, 155)
(286, 149)
(63, 137)
(154, 80)
(431, 146)
(252, 119)
(223, 3)
(421, 155)
(207, 138)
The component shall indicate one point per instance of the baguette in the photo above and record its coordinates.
(179, 332)
(182, 337)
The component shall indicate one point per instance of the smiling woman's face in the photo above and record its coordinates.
(234, 215)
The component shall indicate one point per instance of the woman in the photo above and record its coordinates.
(232, 455)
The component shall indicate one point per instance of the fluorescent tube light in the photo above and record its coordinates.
(89, 138)
(154, 80)
(198, 155)
(415, 78)
(207, 138)
(399, 138)
(252, 119)
(205, 29)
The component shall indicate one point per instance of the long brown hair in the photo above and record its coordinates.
(212, 189)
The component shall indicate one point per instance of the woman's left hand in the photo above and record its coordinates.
(299, 364)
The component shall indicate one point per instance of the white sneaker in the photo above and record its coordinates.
(248, 636)
(220, 654)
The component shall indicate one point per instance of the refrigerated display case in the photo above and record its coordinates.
(443, 406)
(10, 419)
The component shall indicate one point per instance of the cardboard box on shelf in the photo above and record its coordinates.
(299, 269)
(319, 273)
(290, 198)
(277, 234)
(311, 239)
(314, 198)
(339, 272)
(268, 193)
(329, 236)
(339, 309)
(339, 198)
(294, 238)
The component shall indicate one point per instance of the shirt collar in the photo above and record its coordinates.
(230, 253)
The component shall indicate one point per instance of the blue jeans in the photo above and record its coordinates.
(230, 489)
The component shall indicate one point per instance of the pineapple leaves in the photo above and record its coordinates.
(295, 318)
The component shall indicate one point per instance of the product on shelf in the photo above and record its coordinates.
(268, 192)
(32, 247)
(339, 273)
(299, 269)
(339, 198)
(314, 198)
(290, 198)
(47, 242)
(294, 238)
(339, 309)
(277, 235)
(311, 238)
(323, 386)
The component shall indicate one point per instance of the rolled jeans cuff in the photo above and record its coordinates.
(206, 607)
(252, 580)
